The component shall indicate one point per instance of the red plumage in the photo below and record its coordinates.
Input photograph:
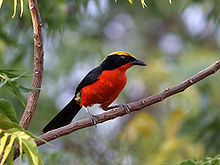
(106, 89)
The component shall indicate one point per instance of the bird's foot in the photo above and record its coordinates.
(92, 119)
(124, 106)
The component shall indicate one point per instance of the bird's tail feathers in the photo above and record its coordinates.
(64, 117)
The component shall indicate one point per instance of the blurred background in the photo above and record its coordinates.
(176, 41)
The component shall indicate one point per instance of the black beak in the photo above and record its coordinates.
(139, 62)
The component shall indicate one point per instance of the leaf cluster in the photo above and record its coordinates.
(206, 161)
(11, 133)
(9, 79)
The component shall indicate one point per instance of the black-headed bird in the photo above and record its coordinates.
(102, 85)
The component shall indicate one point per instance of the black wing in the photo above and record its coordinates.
(90, 78)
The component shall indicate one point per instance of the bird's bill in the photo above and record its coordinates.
(139, 62)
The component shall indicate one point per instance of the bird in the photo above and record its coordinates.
(102, 85)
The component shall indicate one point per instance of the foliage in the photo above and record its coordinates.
(15, 7)
(22, 5)
(8, 78)
(142, 2)
(175, 40)
(205, 161)
(11, 132)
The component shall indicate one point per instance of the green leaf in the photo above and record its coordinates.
(20, 147)
(189, 162)
(6, 123)
(8, 149)
(20, 136)
(10, 132)
(205, 161)
(10, 73)
(4, 80)
(15, 6)
(28, 89)
(1, 1)
(17, 77)
(210, 161)
(8, 78)
(35, 137)
(8, 110)
(26, 144)
(30, 148)
(130, 1)
(14, 88)
(3, 143)
(143, 3)
(10, 157)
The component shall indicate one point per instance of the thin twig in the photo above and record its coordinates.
(38, 65)
(135, 106)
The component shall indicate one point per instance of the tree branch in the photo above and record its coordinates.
(135, 106)
(38, 65)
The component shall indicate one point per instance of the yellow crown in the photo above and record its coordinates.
(122, 53)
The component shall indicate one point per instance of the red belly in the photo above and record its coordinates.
(106, 89)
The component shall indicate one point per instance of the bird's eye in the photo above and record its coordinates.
(122, 57)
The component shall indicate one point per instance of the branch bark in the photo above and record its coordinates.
(135, 106)
(38, 65)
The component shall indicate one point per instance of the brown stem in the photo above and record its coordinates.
(135, 106)
(38, 65)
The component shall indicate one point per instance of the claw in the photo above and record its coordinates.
(126, 108)
(92, 119)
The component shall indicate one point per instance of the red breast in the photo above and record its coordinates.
(106, 89)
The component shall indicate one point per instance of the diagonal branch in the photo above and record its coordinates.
(135, 106)
(38, 65)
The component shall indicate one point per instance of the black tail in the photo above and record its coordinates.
(64, 117)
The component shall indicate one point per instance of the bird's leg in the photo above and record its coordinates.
(111, 107)
(91, 117)
(124, 106)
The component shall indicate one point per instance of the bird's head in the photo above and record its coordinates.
(120, 59)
